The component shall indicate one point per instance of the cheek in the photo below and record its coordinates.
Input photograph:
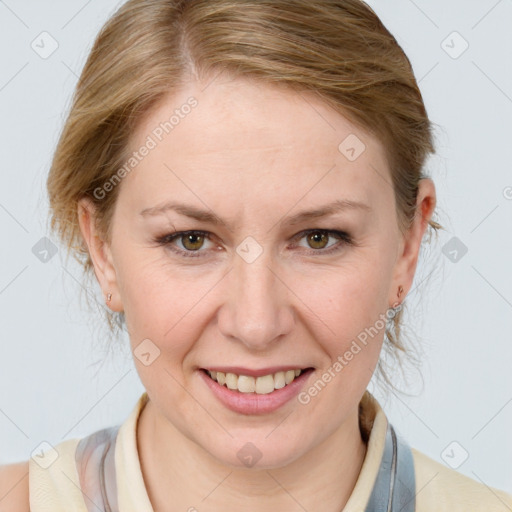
(348, 298)
(160, 333)
(148, 292)
(351, 332)
(162, 302)
(142, 295)
(349, 308)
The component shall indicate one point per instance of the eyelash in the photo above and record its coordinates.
(167, 240)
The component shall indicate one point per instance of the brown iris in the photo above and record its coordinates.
(318, 237)
(192, 241)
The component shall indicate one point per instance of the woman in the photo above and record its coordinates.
(245, 181)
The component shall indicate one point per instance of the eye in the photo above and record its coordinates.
(193, 241)
(318, 239)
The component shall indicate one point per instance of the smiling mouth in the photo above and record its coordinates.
(261, 385)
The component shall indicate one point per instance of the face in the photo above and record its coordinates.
(259, 284)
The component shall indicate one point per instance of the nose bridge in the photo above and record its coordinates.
(256, 312)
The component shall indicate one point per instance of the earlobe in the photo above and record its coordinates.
(100, 253)
(407, 261)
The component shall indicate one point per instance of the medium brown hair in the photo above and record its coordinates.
(336, 49)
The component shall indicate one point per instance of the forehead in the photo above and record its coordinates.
(251, 113)
(256, 139)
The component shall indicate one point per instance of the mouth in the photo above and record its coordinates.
(250, 394)
(256, 382)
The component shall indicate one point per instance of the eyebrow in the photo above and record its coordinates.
(210, 217)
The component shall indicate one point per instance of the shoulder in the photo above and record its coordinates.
(14, 491)
(441, 488)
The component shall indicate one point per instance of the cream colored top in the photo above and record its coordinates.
(438, 487)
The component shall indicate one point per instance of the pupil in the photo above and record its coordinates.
(317, 237)
(190, 239)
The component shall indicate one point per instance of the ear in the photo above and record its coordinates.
(407, 257)
(100, 253)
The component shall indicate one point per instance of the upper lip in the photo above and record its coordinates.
(239, 370)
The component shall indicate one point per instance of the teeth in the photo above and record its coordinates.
(231, 381)
(260, 385)
(279, 380)
(264, 384)
(247, 384)
(289, 376)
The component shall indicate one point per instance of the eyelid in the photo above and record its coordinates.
(342, 235)
(344, 239)
(167, 241)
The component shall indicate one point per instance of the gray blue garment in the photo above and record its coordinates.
(393, 490)
(395, 486)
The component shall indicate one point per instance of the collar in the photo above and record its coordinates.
(110, 473)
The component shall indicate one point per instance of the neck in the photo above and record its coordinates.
(176, 470)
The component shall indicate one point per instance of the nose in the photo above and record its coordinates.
(256, 309)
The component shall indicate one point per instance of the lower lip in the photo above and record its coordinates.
(254, 403)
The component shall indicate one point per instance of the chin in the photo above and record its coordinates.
(256, 452)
